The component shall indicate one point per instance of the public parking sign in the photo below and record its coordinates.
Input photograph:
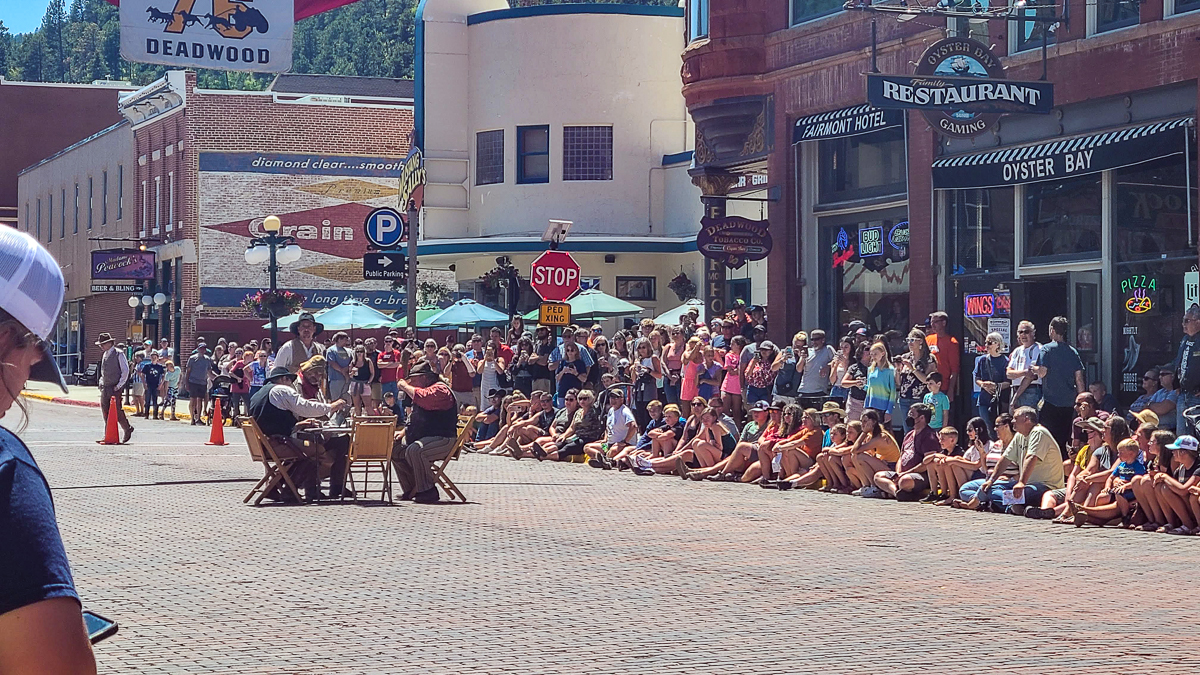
(555, 276)
(385, 265)
(385, 228)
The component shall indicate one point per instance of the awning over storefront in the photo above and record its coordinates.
(861, 119)
(1062, 158)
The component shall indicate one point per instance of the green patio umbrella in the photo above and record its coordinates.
(671, 316)
(595, 304)
(423, 314)
(467, 312)
(353, 314)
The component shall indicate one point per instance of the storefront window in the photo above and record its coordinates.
(1113, 14)
(1150, 205)
(865, 262)
(982, 226)
(1063, 219)
(864, 166)
(1148, 311)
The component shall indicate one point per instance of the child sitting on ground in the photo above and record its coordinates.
(937, 400)
(1117, 486)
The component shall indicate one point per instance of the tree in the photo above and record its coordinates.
(54, 25)
(6, 42)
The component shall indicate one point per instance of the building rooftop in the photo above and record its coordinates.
(339, 85)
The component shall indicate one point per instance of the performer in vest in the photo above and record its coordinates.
(302, 347)
(278, 409)
(114, 375)
(431, 430)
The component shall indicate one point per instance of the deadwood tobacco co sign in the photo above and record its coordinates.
(959, 86)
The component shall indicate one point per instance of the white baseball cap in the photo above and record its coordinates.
(31, 291)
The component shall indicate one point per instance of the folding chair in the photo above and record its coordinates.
(275, 470)
(371, 448)
(439, 466)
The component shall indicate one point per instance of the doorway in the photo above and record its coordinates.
(1045, 298)
(1077, 296)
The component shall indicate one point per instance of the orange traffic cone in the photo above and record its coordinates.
(217, 437)
(111, 435)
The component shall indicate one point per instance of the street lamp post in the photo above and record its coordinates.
(274, 250)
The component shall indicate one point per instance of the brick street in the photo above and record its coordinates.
(565, 569)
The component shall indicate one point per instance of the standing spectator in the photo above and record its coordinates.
(389, 367)
(362, 371)
(855, 383)
(937, 401)
(491, 368)
(1186, 367)
(195, 377)
(818, 360)
(606, 359)
(543, 345)
(672, 357)
(945, 349)
(913, 372)
(171, 388)
(747, 354)
(991, 376)
(474, 356)
(516, 328)
(258, 372)
(593, 375)
(1104, 400)
(461, 379)
(790, 369)
(644, 373)
(1022, 366)
(1062, 380)
(522, 369)
(503, 351)
(760, 374)
(708, 382)
(842, 360)
(137, 384)
(881, 383)
(152, 373)
(337, 358)
(559, 352)
(731, 386)
(375, 386)
(692, 366)
(758, 316)
(165, 350)
(722, 333)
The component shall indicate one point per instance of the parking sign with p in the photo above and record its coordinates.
(385, 228)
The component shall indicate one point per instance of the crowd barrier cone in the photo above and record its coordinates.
(111, 433)
(217, 437)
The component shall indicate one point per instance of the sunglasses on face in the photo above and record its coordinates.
(570, 400)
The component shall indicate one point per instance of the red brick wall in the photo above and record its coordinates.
(104, 313)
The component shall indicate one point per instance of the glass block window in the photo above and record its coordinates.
(489, 157)
(587, 153)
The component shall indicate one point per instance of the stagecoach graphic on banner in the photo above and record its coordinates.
(250, 35)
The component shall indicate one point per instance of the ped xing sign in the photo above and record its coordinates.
(554, 314)
(968, 94)
(217, 34)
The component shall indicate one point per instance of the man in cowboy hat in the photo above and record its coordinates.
(432, 428)
(114, 375)
(831, 414)
(278, 409)
(302, 347)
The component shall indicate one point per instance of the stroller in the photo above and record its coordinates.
(219, 393)
(1191, 417)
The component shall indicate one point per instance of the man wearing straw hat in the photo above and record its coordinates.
(114, 374)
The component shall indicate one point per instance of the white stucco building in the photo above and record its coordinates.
(569, 112)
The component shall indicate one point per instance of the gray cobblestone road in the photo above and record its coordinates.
(564, 569)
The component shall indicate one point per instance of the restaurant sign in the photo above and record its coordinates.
(959, 86)
(733, 240)
(122, 264)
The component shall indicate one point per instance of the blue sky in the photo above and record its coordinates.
(22, 16)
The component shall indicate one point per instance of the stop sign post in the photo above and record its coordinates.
(555, 276)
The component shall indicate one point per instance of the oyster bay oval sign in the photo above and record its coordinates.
(733, 240)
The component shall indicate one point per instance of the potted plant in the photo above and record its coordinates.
(267, 304)
(682, 286)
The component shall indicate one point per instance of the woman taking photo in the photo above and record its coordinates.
(363, 371)
(492, 369)
(913, 370)
(760, 374)
(693, 364)
(41, 630)
(644, 372)
(837, 370)
(570, 370)
(855, 383)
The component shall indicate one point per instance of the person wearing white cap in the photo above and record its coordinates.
(41, 630)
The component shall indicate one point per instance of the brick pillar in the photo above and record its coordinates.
(922, 277)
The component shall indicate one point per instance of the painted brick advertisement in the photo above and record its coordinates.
(321, 200)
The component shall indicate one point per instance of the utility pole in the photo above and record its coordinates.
(414, 215)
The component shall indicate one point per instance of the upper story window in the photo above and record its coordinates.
(587, 153)
(104, 198)
(50, 217)
(697, 19)
(1024, 35)
(1173, 7)
(806, 10)
(1106, 15)
(862, 167)
(77, 208)
(533, 154)
(489, 157)
(120, 191)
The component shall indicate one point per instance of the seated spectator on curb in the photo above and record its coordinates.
(1091, 480)
(586, 427)
(1150, 512)
(796, 453)
(826, 466)
(874, 451)
(782, 424)
(1179, 490)
(488, 422)
(731, 467)
(908, 481)
(621, 433)
(529, 422)
(1085, 409)
(1036, 454)
(1118, 488)
(704, 449)
(956, 467)
(558, 429)
(1054, 502)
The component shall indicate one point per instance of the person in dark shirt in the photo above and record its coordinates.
(1187, 368)
(41, 630)
(920, 446)
(153, 373)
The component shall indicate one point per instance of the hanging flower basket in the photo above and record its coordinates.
(265, 304)
(682, 286)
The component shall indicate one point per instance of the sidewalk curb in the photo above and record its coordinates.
(63, 400)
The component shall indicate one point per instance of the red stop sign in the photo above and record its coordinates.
(555, 276)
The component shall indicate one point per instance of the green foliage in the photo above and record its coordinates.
(81, 43)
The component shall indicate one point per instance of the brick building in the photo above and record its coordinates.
(204, 167)
(962, 224)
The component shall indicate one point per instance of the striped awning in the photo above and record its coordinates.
(860, 119)
(1063, 158)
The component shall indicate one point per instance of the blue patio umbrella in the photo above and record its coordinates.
(423, 315)
(286, 321)
(353, 314)
(467, 313)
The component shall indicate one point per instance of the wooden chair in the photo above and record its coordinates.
(371, 448)
(439, 466)
(275, 470)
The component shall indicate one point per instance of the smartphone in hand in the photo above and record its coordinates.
(98, 627)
